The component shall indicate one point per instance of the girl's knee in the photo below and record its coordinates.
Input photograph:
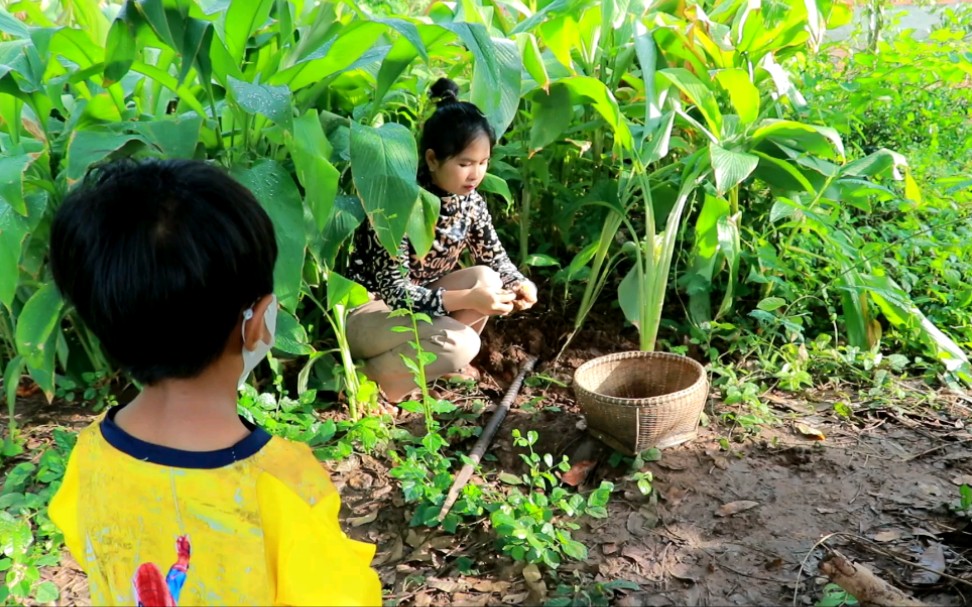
(487, 277)
(460, 344)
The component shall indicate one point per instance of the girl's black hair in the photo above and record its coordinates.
(452, 127)
(159, 258)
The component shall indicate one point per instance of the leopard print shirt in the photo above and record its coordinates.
(464, 221)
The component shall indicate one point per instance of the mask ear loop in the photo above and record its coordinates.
(247, 315)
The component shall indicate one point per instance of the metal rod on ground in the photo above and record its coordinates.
(479, 449)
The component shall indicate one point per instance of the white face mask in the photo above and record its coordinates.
(251, 358)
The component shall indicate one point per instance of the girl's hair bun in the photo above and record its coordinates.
(444, 92)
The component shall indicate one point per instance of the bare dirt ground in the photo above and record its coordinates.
(734, 519)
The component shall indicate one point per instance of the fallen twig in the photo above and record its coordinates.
(479, 449)
(936, 448)
(864, 585)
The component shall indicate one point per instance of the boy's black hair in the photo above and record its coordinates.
(160, 258)
(452, 127)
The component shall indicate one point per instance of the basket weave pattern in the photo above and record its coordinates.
(637, 400)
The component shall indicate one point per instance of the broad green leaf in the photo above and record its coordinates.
(12, 26)
(346, 215)
(189, 37)
(331, 57)
(242, 19)
(88, 16)
(657, 144)
(647, 53)
(705, 255)
(89, 147)
(13, 231)
(175, 137)
(12, 168)
(742, 93)
(341, 291)
(875, 164)
(273, 186)
(771, 304)
(821, 141)
(274, 102)
(561, 36)
(183, 92)
(410, 32)
(592, 89)
(291, 336)
(11, 379)
(120, 50)
(496, 185)
(730, 167)
(75, 46)
(383, 165)
(533, 59)
(901, 312)
(552, 114)
(37, 334)
(539, 260)
(401, 55)
(911, 190)
(310, 151)
(421, 224)
(630, 296)
(496, 73)
(697, 92)
(854, 303)
(781, 174)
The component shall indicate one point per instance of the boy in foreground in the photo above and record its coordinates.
(173, 498)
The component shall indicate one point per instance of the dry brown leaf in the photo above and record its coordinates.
(363, 520)
(470, 600)
(489, 585)
(578, 472)
(609, 549)
(932, 558)
(826, 510)
(423, 599)
(391, 556)
(442, 542)
(674, 495)
(414, 538)
(445, 585)
(810, 432)
(515, 599)
(736, 507)
(963, 479)
(537, 594)
(636, 525)
(889, 535)
(531, 573)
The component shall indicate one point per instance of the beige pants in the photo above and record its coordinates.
(454, 339)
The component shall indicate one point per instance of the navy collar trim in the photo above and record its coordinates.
(177, 458)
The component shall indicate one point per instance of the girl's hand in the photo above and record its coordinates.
(490, 302)
(526, 296)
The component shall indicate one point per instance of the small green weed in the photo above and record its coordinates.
(297, 420)
(95, 388)
(835, 596)
(533, 527)
(585, 593)
(963, 505)
(29, 540)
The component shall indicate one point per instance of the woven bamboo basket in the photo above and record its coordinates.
(637, 400)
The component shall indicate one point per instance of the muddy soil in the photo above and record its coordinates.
(735, 518)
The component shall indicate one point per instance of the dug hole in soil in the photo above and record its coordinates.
(747, 525)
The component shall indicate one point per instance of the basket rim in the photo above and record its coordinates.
(603, 399)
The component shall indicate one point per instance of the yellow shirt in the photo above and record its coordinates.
(254, 524)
